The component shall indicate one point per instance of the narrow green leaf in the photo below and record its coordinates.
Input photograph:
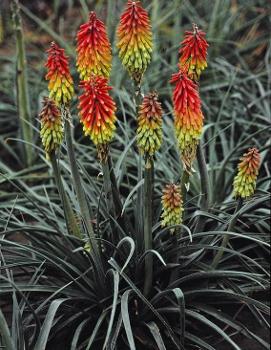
(198, 341)
(126, 318)
(131, 252)
(156, 335)
(47, 324)
(96, 329)
(113, 263)
(212, 325)
(77, 333)
(134, 190)
(5, 334)
(116, 281)
(47, 29)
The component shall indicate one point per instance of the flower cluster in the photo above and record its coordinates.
(193, 53)
(97, 110)
(135, 40)
(172, 205)
(60, 80)
(245, 181)
(188, 116)
(149, 129)
(94, 54)
(51, 132)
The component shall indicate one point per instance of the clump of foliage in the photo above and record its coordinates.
(140, 235)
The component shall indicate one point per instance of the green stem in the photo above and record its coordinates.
(148, 193)
(81, 197)
(205, 187)
(139, 207)
(108, 188)
(70, 219)
(22, 89)
(175, 273)
(109, 21)
(154, 18)
(185, 183)
(177, 29)
(226, 238)
(139, 199)
(2, 29)
(115, 191)
(138, 96)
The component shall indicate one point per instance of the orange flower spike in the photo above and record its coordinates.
(149, 129)
(51, 131)
(248, 169)
(135, 40)
(172, 205)
(193, 53)
(97, 110)
(188, 116)
(60, 80)
(94, 54)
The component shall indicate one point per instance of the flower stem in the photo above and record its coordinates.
(154, 17)
(205, 188)
(70, 219)
(109, 21)
(148, 193)
(139, 207)
(226, 238)
(22, 89)
(108, 187)
(138, 96)
(81, 197)
(185, 183)
(115, 191)
(139, 199)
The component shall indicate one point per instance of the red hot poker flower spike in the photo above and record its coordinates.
(60, 80)
(51, 132)
(193, 53)
(94, 54)
(172, 205)
(97, 111)
(149, 129)
(188, 116)
(135, 40)
(248, 169)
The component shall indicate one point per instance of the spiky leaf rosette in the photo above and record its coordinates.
(172, 205)
(149, 129)
(193, 59)
(94, 54)
(135, 40)
(60, 80)
(248, 169)
(97, 112)
(51, 132)
(188, 116)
